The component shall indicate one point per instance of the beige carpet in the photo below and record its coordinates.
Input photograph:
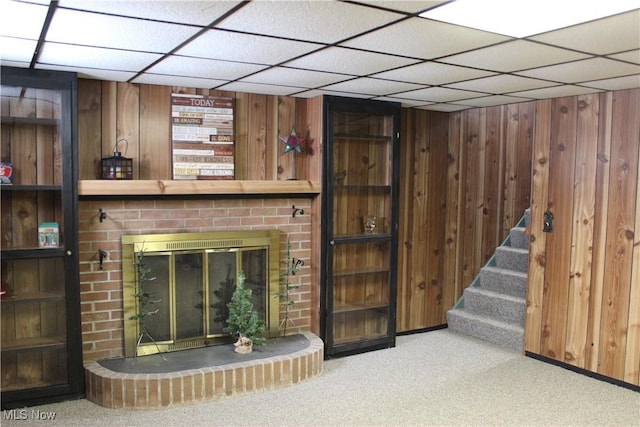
(434, 378)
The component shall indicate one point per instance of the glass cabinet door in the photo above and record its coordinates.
(360, 227)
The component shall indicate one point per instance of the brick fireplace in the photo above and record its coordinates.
(101, 286)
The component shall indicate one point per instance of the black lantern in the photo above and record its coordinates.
(117, 166)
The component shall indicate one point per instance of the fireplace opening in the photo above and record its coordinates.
(190, 280)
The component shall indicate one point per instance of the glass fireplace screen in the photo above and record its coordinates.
(188, 284)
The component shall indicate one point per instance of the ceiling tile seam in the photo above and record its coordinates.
(386, 9)
(193, 37)
(583, 52)
(584, 22)
(43, 32)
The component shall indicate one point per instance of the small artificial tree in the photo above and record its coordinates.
(243, 322)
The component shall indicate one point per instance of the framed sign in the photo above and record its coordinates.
(202, 135)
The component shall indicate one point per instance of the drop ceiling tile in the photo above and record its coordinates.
(23, 20)
(167, 80)
(293, 77)
(582, 71)
(432, 73)
(409, 6)
(306, 20)
(439, 94)
(260, 88)
(617, 33)
(94, 57)
(86, 28)
(631, 56)
(185, 12)
(407, 103)
(13, 49)
(514, 55)
(619, 83)
(319, 92)
(203, 68)
(349, 61)
(230, 46)
(445, 108)
(423, 38)
(492, 101)
(17, 64)
(372, 87)
(500, 84)
(555, 92)
(93, 73)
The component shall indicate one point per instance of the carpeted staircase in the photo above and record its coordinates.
(492, 308)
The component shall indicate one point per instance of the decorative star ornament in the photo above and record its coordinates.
(292, 142)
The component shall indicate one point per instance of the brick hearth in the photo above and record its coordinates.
(148, 391)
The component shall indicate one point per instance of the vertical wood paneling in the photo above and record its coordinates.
(512, 119)
(537, 245)
(524, 144)
(155, 157)
(619, 245)
(109, 118)
(128, 123)
(582, 239)
(286, 120)
(89, 128)
(632, 358)
(560, 204)
(471, 258)
(599, 231)
(492, 196)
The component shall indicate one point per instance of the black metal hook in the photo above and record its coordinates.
(102, 215)
(101, 256)
(296, 263)
(296, 210)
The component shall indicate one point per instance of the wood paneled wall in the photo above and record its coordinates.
(583, 301)
(465, 182)
(141, 114)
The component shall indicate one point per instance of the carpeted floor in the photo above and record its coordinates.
(435, 378)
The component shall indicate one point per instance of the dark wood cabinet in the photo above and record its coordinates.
(41, 346)
(359, 224)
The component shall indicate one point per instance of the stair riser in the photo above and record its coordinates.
(508, 258)
(509, 339)
(503, 283)
(518, 238)
(494, 307)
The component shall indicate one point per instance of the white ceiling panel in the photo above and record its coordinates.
(502, 83)
(609, 35)
(230, 46)
(409, 6)
(554, 92)
(439, 94)
(23, 20)
(492, 101)
(124, 33)
(318, 92)
(631, 56)
(186, 12)
(582, 71)
(407, 103)
(618, 83)
(94, 57)
(13, 49)
(425, 39)
(433, 73)
(265, 89)
(513, 56)
(445, 108)
(95, 73)
(203, 68)
(293, 77)
(165, 80)
(367, 85)
(318, 21)
(349, 61)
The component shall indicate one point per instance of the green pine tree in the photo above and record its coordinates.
(243, 320)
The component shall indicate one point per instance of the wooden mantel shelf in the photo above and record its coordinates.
(183, 187)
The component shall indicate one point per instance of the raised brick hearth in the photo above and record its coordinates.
(113, 389)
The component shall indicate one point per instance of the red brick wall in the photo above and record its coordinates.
(101, 289)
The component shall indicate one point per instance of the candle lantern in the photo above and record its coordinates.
(117, 166)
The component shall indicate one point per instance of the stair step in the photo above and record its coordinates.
(504, 281)
(518, 238)
(512, 258)
(500, 333)
(495, 305)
